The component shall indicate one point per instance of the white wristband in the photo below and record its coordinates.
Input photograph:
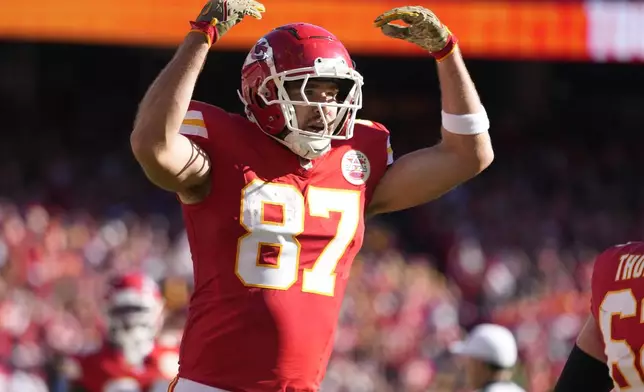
(466, 124)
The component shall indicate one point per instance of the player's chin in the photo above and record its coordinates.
(308, 147)
(317, 148)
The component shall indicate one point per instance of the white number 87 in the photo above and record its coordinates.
(320, 279)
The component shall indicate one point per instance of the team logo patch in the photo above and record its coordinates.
(356, 167)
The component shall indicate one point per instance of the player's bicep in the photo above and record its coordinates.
(178, 165)
(426, 174)
(417, 178)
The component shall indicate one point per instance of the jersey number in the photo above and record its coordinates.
(320, 279)
(621, 303)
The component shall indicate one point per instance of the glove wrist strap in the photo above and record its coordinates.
(447, 51)
(205, 28)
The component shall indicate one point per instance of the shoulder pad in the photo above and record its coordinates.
(199, 116)
(371, 124)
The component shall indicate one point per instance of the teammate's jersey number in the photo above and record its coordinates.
(320, 279)
(621, 303)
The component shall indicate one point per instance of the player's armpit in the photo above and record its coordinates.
(180, 164)
(424, 175)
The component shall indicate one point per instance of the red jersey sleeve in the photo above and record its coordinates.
(380, 137)
(374, 138)
(203, 122)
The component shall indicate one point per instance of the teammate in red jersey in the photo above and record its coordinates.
(274, 202)
(131, 359)
(609, 351)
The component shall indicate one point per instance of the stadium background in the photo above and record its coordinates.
(561, 81)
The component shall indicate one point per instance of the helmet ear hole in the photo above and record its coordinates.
(278, 119)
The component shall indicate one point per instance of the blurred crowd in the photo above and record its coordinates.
(515, 246)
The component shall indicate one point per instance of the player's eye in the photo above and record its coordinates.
(311, 94)
(321, 95)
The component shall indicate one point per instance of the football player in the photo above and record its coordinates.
(131, 359)
(609, 353)
(274, 202)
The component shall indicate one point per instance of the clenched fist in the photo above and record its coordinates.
(424, 30)
(219, 16)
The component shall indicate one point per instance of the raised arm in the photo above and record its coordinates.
(169, 159)
(465, 149)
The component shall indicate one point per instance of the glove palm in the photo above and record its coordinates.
(224, 14)
(424, 30)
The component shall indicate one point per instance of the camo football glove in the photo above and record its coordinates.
(424, 30)
(219, 16)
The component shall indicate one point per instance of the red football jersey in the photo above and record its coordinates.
(272, 247)
(107, 371)
(618, 307)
